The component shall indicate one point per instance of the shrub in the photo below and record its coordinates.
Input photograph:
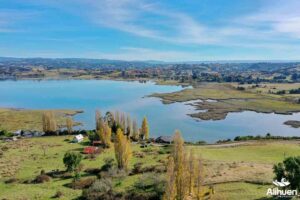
(139, 154)
(42, 178)
(4, 148)
(149, 186)
(82, 183)
(11, 180)
(58, 194)
(108, 164)
(100, 189)
(137, 168)
(92, 171)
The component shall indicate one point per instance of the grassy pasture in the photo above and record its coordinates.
(226, 167)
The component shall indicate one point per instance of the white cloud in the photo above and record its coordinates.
(281, 18)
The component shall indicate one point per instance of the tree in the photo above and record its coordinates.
(184, 175)
(123, 122)
(135, 131)
(289, 169)
(145, 129)
(170, 190)
(117, 117)
(199, 177)
(69, 125)
(99, 120)
(72, 160)
(129, 126)
(49, 122)
(191, 171)
(180, 166)
(109, 118)
(122, 150)
(105, 135)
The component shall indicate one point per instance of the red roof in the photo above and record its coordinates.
(90, 150)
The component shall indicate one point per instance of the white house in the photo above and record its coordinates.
(78, 138)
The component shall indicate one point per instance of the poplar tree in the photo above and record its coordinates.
(199, 174)
(49, 122)
(69, 125)
(185, 175)
(180, 166)
(129, 126)
(135, 131)
(145, 129)
(191, 171)
(99, 120)
(104, 134)
(122, 150)
(123, 122)
(117, 117)
(170, 191)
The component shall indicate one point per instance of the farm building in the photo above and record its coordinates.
(97, 143)
(90, 150)
(78, 138)
(164, 139)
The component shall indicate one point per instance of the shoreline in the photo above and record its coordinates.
(13, 119)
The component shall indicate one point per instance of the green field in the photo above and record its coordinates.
(236, 171)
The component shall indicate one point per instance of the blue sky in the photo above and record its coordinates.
(169, 30)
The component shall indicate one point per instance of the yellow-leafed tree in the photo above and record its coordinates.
(191, 172)
(105, 135)
(145, 129)
(170, 191)
(180, 168)
(69, 125)
(49, 122)
(122, 150)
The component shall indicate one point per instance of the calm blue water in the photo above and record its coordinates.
(89, 95)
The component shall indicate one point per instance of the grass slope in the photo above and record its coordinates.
(228, 168)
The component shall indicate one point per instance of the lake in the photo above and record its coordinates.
(130, 97)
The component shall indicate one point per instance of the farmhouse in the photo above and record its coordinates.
(164, 139)
(78, 138)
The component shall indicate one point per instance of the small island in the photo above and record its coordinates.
(293, 123)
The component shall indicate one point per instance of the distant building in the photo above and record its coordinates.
(78, 138)
(164, 139)
(97, 143)
(17, 133)
(90, 150)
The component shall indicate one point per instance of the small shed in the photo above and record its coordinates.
(17, 133)
(78, 138)
(90, 150)
(97, 143)
(164, 139)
